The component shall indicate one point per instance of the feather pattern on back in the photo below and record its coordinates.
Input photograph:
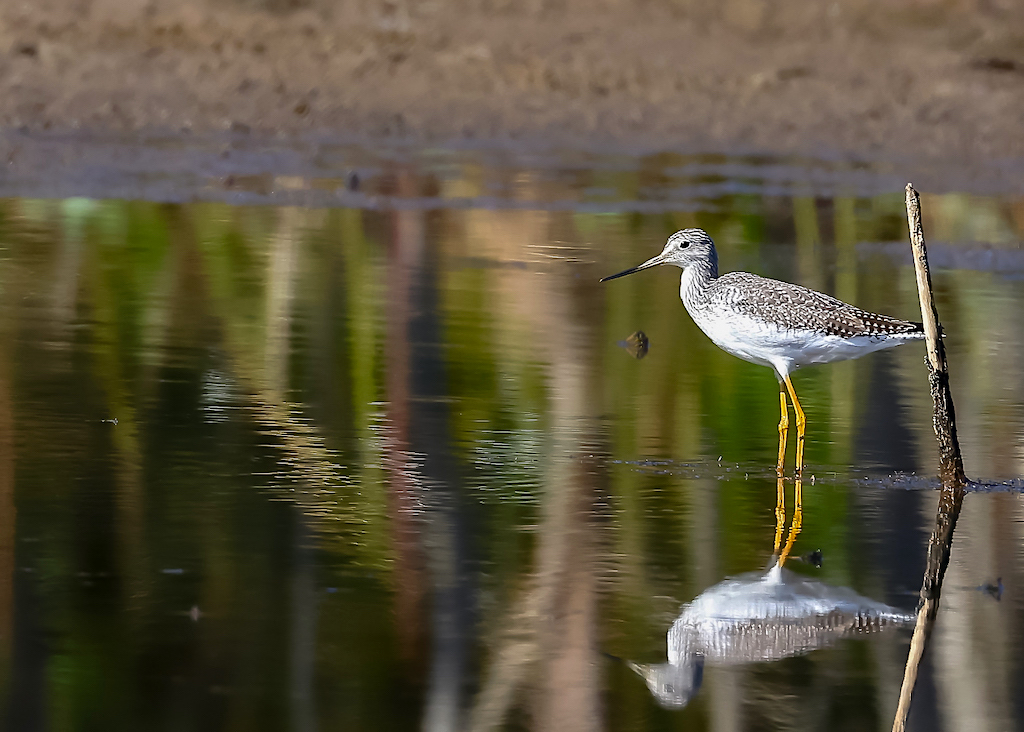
(794, 307)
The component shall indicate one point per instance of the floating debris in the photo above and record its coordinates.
(636, 345)
(992, 590)
(814, 558)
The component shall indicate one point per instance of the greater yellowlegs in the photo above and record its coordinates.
(760, 617)
(773, 324)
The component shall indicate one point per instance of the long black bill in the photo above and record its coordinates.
(653, 262)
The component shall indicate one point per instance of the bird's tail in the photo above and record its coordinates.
(919, 328)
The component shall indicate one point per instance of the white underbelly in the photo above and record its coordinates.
(785, 349)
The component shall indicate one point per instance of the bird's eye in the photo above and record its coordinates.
(684, 244)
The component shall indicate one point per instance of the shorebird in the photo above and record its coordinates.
(775, 324)
(760, 617)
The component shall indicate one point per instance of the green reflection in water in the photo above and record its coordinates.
(255, 544)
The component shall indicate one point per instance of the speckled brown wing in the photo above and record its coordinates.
(799, 308)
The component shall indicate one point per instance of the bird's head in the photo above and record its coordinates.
(684, 248)
(672, 685)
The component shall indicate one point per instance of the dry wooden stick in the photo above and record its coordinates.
(951, 465)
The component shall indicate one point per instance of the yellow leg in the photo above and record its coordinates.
(780, 504)
(801, 427)
(798, 511)
(798, 522)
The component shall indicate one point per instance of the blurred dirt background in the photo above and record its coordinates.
(854, 78)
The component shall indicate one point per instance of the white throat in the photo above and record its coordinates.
(693, 285)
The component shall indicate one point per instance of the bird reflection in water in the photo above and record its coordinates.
(759, 617)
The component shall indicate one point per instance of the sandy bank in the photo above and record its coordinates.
(867, 80)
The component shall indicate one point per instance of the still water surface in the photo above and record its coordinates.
(394, 466)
